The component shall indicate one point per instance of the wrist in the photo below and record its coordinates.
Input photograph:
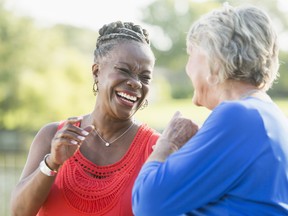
(45, 169)
(162, 150)
(50, 163)
(166, 145)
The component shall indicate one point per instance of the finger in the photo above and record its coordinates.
(74, 120)
(72, 135)
(177, 114)
(89, 128)
(174, 118)
(71, 122)
(80, 131)
(68, 141)
(70, 126)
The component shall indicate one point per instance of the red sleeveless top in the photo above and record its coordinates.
(83, 188)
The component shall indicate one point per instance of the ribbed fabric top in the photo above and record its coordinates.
(95, 190)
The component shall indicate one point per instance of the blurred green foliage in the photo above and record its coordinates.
(45, 73)
(159, 114)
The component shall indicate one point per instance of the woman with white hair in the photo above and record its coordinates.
(237, 162)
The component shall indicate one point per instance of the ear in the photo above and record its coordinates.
(95, 70)
(215, 68)
(212, 79)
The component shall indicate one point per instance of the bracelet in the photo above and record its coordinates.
(45, 169)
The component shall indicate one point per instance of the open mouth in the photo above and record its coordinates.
(127, 97)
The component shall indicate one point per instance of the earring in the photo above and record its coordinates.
(144, 105)
(95, 88)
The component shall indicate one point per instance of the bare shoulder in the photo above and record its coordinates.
(40, 146)
(47, 132)
(42, 140)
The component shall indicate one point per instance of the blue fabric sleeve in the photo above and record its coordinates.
(208, 165)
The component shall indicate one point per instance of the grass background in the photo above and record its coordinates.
(157, 115)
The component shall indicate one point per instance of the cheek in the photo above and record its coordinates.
(145, 89)
(189, 70)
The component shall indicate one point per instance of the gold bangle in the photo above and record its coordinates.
(45, 169)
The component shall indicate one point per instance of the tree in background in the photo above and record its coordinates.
(45, 73)
(172, 19)
(15, 49)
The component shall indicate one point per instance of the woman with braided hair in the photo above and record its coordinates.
(87, 165)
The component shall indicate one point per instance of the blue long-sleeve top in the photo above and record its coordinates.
(236, 164)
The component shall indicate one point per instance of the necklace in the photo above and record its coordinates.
(107, 144)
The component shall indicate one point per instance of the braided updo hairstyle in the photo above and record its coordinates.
(114, 33)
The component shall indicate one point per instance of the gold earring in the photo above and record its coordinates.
(144, 105)
(95, 88)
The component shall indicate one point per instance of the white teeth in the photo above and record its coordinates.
(129, 97)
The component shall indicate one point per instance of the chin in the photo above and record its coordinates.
(195, 100)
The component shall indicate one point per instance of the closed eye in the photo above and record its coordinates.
(145, 79)
(124, 70)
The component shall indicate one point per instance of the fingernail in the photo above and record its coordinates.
(77, 118)
(81, 138)
(74, 142)
(85, 133)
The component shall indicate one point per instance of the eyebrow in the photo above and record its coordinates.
(128, 65)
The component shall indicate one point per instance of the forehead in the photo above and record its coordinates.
(132, 50)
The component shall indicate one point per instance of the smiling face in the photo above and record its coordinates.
(124, 77)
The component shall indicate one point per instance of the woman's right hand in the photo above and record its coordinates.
(33, 186)
(178, 131)
(66, 141)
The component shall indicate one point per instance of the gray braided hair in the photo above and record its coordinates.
(115, 32)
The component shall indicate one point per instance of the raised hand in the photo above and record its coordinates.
(178, 131)
(66, 141)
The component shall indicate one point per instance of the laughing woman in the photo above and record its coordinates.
(87, 165)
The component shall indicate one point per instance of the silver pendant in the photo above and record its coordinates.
(107, 144)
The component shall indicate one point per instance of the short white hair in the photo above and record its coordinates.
(241, 42)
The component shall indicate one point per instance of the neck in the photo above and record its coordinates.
(106, 124)
(250, 93)
(107, 127)
(235, 90)
(109, 142)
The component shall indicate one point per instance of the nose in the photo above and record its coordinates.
(134, 82)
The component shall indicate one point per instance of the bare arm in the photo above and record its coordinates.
(34, 186)
(176, 134)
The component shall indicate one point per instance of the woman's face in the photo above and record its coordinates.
(124, 77)
(198, 70)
